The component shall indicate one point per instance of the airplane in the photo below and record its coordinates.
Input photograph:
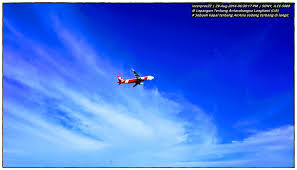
(137, 80)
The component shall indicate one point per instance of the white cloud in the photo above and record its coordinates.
(263, 149)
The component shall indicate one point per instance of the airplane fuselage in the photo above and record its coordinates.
(136, 80)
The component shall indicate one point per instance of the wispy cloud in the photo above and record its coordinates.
(64, 104)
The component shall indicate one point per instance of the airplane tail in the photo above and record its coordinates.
(121, 80)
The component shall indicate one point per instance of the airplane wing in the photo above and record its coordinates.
(136, 75)
(135, 84)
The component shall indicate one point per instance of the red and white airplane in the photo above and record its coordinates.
(137, 80)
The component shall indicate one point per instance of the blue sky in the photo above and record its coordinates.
(223, 93)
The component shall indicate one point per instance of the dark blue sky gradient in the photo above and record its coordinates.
(233, 68)
(238, 70)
